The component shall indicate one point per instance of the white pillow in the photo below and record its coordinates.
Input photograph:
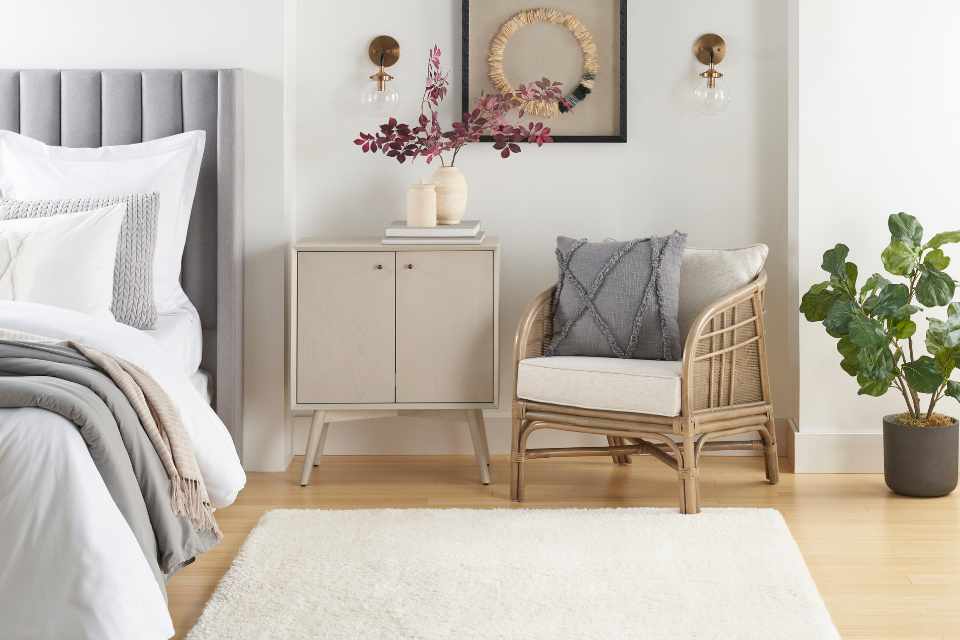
(31, 170)
(64, 261)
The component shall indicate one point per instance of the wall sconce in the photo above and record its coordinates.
(384, 52)
(710, 50)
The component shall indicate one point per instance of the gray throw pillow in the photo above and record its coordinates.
(618, 299)
(133, 301)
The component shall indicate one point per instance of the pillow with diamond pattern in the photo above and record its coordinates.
(618, 299)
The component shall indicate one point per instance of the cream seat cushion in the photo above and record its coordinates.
(607, 384)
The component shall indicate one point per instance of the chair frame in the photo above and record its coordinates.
(722, 395)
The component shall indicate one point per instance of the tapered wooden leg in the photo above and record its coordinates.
(771, 455)
(322, 445)
(318, 432)
(688, 477)
(478, 433)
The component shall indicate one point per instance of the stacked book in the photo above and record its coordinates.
(464, 232)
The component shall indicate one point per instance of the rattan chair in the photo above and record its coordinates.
(724, 392)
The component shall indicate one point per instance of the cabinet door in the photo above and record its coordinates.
(346, 304)
(445, 326)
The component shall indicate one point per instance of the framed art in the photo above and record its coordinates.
(580, 43)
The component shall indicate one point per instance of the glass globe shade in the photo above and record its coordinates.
(382, 102)
(711, 100)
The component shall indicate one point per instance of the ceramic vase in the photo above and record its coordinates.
(451, 194)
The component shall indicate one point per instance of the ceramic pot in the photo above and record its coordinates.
(451, 194)
(919, 461)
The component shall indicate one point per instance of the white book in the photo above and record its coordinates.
(463, 229)
(477, 239)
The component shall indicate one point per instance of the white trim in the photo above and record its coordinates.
(838, 452)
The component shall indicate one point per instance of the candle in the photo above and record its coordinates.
(422, 205)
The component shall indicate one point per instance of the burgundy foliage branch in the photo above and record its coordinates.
(427, 139)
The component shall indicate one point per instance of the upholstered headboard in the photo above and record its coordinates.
(93, 108)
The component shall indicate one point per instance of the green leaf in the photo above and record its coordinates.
(851, 271)
(935, 288)
(904, 312)
(849, 352)
(923, 374)
(946, 361)
(905, 228)
(903, 329)
(936, 259)
(866, 333)
(889, 300)
(953, 389)
(871, 387)
(947, 237)
(875, 363)
(817, 302)
(874, 282)
(899, 259)
(835, 261)
(838, 317)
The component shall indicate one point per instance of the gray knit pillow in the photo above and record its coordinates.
(133, 302)
(618, 299)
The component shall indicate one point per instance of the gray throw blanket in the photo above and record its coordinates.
(58, 378)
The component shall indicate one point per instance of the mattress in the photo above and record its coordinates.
(180, 334)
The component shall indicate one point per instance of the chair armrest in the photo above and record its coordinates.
(724, 357)
(535, 328)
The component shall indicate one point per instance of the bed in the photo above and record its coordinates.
(69, 566)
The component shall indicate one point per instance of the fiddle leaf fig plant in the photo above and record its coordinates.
(874, 325)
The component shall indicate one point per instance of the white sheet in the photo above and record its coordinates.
(69, 565)
(181, 336)
(201, 382)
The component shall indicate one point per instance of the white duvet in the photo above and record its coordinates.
(69, 565)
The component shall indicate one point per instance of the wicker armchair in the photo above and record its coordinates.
(724, 392)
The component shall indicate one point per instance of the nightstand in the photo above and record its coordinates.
(377, 329)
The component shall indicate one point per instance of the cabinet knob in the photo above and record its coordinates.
(379, 267)
(408, 266)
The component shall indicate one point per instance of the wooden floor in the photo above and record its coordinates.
(887, 567)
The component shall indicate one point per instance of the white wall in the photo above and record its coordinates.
(722, 180)
(878, 127)
(213, 34)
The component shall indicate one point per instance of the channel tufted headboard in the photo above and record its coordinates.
(93, 108)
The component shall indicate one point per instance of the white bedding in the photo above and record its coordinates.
(69, 565)
(181, 336)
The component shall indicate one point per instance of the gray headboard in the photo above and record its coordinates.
(93, 108)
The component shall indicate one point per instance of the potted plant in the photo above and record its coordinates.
(429, 140)
(875, 329)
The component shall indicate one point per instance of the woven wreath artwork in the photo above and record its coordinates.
(591, 63)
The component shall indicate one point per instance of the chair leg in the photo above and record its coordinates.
(516, 457)
(318, 433)
(690, 490)
(772, 458)
(620, 459)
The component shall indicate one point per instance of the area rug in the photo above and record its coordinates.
(517, 573)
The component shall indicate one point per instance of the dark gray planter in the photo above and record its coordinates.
(920, 461)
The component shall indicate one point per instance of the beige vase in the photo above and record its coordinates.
(451, 194)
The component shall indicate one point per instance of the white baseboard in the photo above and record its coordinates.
(838, 452)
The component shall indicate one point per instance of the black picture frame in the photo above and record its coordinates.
(465, 79)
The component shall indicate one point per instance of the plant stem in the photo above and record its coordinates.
(934, 399)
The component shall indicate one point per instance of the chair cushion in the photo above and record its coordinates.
(709, 274)
(607, 384)
(618, 299)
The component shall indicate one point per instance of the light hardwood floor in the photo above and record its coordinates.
(887, 567)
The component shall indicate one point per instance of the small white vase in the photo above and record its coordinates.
(422, 205)
(451, 194)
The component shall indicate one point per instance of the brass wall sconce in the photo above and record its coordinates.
(384, 51)
(710, 49)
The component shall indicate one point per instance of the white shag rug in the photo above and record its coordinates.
(511, 573)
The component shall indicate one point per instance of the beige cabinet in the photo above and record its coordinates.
(393, 328)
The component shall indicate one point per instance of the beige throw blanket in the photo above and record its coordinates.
(162, 424)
